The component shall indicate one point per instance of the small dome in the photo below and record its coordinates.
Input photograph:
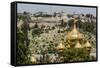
(87, 44)
(68, 46)
(33, 60)
(78, 45)
(60, 46)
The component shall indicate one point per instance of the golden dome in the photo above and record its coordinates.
(74, 33)
(60, 47)
(68, 46)
(33, 60)
(87, 44)
(78, 45)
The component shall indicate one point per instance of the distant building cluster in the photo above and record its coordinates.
(62, 16)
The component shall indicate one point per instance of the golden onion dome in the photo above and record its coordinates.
(78, 45)
(33, 60)
(87, 44)
(74, 33)
(68, 46)
(60, 47)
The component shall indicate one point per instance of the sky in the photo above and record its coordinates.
(50, 9)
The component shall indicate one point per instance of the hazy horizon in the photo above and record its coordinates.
(50, 9)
